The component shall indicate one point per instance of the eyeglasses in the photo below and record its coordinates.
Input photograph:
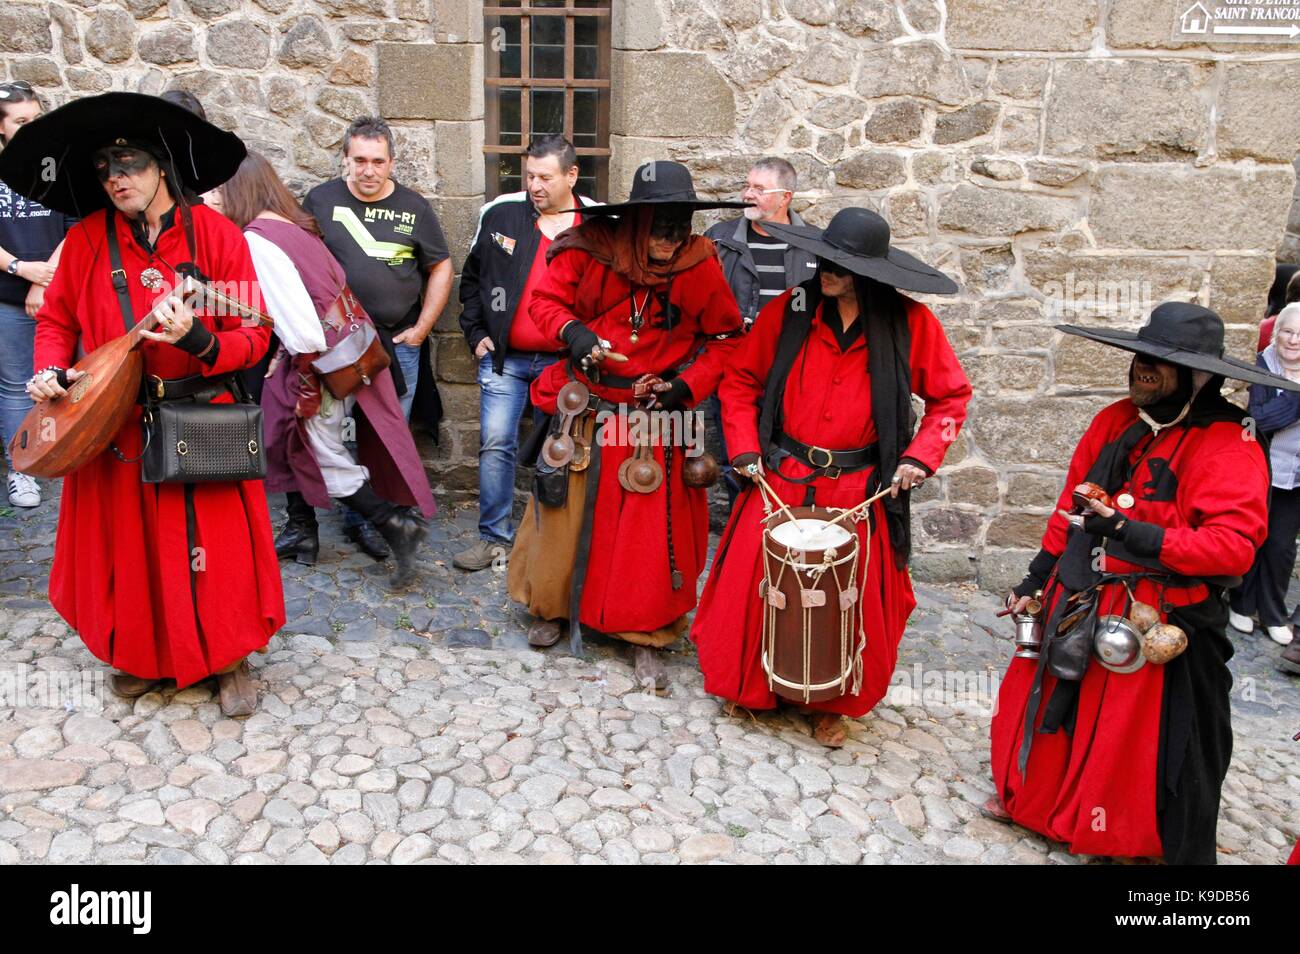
(9, 89)
(755, 190)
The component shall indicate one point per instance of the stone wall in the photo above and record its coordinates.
(1064, 158)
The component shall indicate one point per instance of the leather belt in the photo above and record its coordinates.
(831, 463)
(154, 389)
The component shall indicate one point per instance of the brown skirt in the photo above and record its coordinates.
(540, 572)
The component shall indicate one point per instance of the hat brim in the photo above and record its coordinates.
(896, 268)
(1228, 367)
(49, 159)
(695, 205)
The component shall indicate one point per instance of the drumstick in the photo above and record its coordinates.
(758, 476)
(866, 503)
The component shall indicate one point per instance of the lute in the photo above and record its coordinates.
(61, 434)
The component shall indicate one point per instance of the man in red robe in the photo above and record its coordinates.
(165, 580)
(1103, 741)
(609, 553)
(818, 401)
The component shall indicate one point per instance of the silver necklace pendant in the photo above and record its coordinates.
(1125, 501)
(151, 279)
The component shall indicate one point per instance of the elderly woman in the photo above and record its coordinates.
(1277, 415)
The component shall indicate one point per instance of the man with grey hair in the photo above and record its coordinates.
(759, 266)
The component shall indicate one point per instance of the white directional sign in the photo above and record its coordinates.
(1242, 21)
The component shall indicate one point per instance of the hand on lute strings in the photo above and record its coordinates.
(45, 385)
(175, 318)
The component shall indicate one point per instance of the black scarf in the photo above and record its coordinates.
(889, 348)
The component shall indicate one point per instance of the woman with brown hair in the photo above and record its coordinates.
(306, 426)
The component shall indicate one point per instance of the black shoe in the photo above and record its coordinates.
(368, 539)
(404, 534)
(299, 538)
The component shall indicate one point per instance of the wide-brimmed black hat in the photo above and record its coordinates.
(49, 159)
(858, 240)
(661, 183)
(1185, 334)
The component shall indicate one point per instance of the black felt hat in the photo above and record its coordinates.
(661, 183)
(1185, 334)
(49, 159)
(858, 240)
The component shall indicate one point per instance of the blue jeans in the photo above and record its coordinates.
(17, 335)
(408, 359)
(502, 404)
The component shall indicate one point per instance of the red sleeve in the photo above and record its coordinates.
(938, 379)
(743, 383)
(1224, 496)
(58, 328)
(551, 307)
(718, 314)
(241, 342)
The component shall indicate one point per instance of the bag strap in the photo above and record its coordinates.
(118, 273)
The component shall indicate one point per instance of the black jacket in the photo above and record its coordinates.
(738, 263)
(500, 257)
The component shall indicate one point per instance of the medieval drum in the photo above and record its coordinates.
(812, 634)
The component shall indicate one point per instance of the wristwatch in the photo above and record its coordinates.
(13, 267)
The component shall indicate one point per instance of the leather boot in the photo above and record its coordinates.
(299, 538)
(401, 530)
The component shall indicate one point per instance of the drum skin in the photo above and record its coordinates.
(811, 631)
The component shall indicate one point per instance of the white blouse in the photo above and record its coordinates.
(296, 323)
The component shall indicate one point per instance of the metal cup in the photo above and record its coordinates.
(1029, 635)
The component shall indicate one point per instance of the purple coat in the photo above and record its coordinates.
(384, 442)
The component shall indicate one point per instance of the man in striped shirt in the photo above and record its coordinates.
(759, 266)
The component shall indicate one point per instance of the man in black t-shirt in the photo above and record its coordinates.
(391, 245)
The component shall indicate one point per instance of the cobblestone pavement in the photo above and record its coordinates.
(422, 728)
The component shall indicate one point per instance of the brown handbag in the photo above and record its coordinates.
(357, 355)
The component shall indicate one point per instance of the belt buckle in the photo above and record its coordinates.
(832, 472)
(812, 458)
(157, 386)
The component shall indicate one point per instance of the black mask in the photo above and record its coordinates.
(120, 161)
(671, 224)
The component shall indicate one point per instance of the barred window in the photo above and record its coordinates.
(547, 71)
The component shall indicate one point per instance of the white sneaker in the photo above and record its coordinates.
(1280, 635)
(1243, 624)
(23, 490)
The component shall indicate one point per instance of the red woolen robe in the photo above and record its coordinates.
(827, 403)
(1097, 788)
(628, 587)
(125, 577)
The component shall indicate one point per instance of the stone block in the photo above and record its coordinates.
(943, 566)
(168, 45)
(950, 526)
(208, 10)
(999, 170)
(908, 214)
(1023, 530)
(459, 151)
(241, 43)
(1084, 364)
(827, 63)
(1021, 24)
(832, 112)
(899, 120)
(1003, 212)
(110, 38)
(284, 96)
(1033, 490)
(1165, 206)
(353, 68)
(1239, 287)
(1020, 130)
(1011, 430)
(874, 19)
(458, 21)
(995, 373)
(922, 69)
(42, 73)
(1247, 126)
(306, 43)
(1054, 172)
(989, 268)
(1021, 79)
(969, 122)
(1141, 109)
(871, 170)
(638, 26)
(1081, 287)
(459, 219)
(973, 485)
(431, 81)
(647, 95)
(455, 364)
(346, 104)
(748, 65)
